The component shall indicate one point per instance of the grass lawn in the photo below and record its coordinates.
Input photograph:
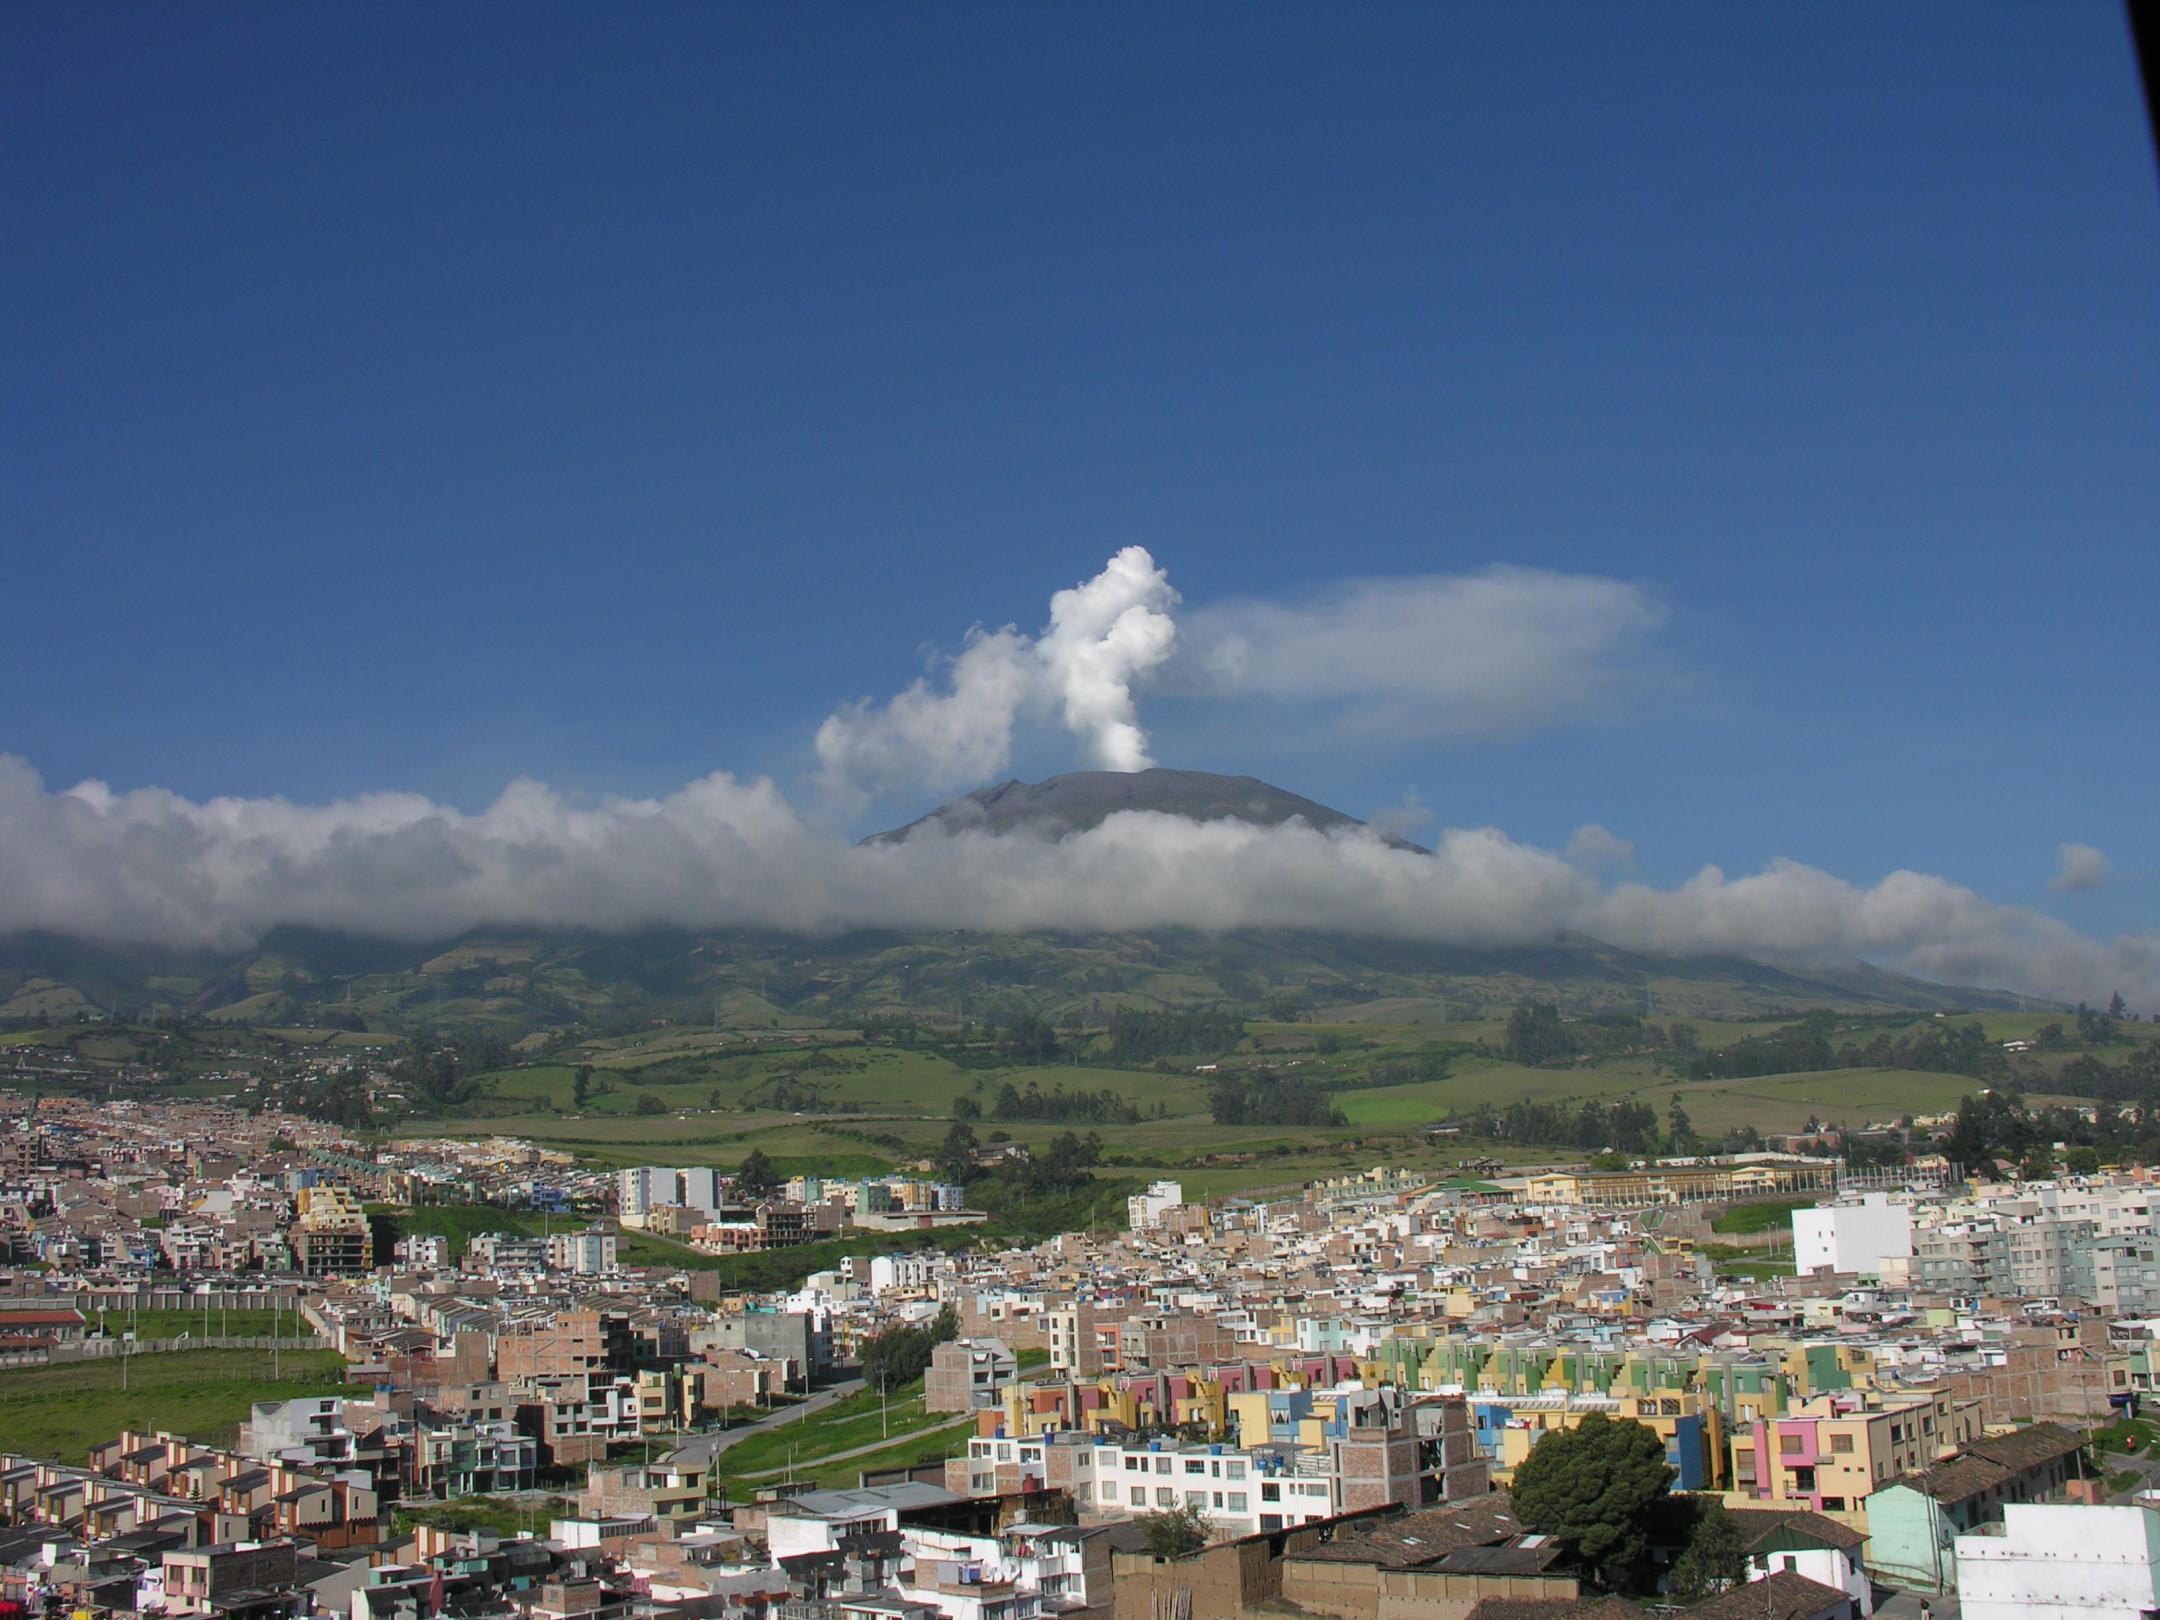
(62, 1411)
(857, 1420)
(1755, 1268)
(171, 1324)
(848, 1471)
(502, 1515)
(2119, 1435)
(1770, 1215)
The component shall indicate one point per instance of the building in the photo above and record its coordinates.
(251, 1579)
(332, 1236)
(1806, 1544)
(1685, 1181)
(2059, 1561)
(590, 1253)
(967, 1375)
(1914, 1521)
(1867, 1238)
(802, 1339)
(1144, 1211)
(1832, 1452)
(1075, 1351)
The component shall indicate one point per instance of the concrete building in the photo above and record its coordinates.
(221, 1580)
(1144, 1210)
(1830, 1453)
(1075, 1350)
(332, 1236)
(1869, 1238)
(1914, 1521)
(590, 1253)
(2058, 1561)
(967, 1375)
(801, 1339)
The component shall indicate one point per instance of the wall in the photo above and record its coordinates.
(2062, 1563)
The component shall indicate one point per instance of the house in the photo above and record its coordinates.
(1914, 1520)
(1804, 1543)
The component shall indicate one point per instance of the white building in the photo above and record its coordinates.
(2056, 1561)
(588, 1254)
(1869, 1238)
(1145, 1210)
(639, 1189)
(424, 1252)
(698, 1188)
(904, 1273)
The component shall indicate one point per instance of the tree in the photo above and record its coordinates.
(581, 1087)
(756, 1177)
(966, 1108)
(956, 1159)
(650, 1104)
(2082, 1161)
(1593, 1487)
(1175, 1532)
(1716, 1555)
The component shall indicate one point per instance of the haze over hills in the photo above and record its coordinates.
(1078, 800)
(517, 980)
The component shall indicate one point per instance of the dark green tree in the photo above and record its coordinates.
(1175, 1532)
(1536, 1036)
(956, 1159)
(1715, 1557)
(1593, 1489)
(756, 1177)
(581, 1087)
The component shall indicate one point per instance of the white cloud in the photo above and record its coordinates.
(1502, 650)
(1105, 635)
(2079, 867)
(1592, 845)
(154, 867)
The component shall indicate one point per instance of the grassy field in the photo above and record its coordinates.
(504, 1516)
(1769, 1215)
(171, 1324)
(857, 1420)
(845, 1473)
(62, 1411)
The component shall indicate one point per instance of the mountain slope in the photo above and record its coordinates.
(1061, 805)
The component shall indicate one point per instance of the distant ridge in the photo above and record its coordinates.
(1063, 805)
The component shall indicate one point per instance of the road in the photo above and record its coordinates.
(701, 1449)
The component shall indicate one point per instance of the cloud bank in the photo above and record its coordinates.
(151, 866)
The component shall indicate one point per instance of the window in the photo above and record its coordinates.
(1195, 1465)
(1139, 1496)
(1833, 1504)
(1162, 1465)
(1165, 1496)
(1237, 1501)
(1791, 1445)
(1841, 1444)
(1233, 1470)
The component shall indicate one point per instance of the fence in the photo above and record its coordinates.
(106, 1349)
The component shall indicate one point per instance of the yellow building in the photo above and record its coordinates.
(1831, 1452)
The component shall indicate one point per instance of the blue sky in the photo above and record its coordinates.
(424, 397)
